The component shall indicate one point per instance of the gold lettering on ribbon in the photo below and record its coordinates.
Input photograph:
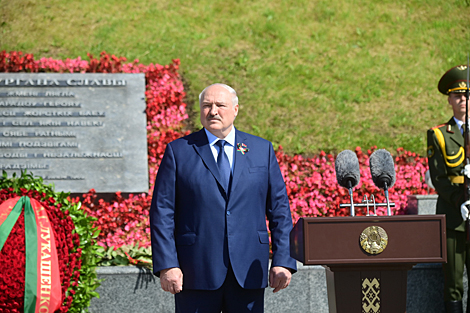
(42, 211)
(44, 309)
(45, 268)
(4, 215)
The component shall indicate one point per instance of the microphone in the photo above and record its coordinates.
(382, 170)
(347, 172)
(347, 169)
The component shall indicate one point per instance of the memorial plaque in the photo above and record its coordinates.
(78, 131)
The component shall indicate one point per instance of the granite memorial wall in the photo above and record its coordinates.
(78, 131)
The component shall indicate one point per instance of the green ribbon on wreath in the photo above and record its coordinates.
(31, 248)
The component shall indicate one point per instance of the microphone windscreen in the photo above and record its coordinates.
(347, 169)
(382, 168)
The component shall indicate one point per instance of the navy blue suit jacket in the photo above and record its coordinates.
(199, 227)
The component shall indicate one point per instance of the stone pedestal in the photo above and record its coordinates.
(421, 204)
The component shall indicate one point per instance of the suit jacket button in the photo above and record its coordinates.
(228, 212)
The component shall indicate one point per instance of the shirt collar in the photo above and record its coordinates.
(229, 139)
(458, 122)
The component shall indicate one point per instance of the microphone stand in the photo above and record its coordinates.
(351, 198)
(365, 203)
(389, 212)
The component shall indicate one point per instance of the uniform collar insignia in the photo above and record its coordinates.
(449, 129)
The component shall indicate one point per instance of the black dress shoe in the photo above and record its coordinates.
(454, 307)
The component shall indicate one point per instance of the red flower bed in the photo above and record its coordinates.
(311, 182)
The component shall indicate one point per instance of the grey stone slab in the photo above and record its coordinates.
(425, 289)
(129, 289)
(306, 292)
(78, 131)
(425, 282)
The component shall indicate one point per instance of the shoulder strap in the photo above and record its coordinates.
(438, 126)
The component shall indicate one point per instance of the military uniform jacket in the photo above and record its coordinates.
(446, 157)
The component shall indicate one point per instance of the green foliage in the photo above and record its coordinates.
(311, 75)
(127, 255)
(91, 253)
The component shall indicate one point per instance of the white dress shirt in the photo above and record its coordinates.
(459, 124)
(228, 147)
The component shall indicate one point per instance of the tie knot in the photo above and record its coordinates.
(220, 143)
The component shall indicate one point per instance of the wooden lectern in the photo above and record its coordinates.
(367, 257)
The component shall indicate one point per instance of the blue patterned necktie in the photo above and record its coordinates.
(223, 164)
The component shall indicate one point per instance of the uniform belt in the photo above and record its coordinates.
(456, 179)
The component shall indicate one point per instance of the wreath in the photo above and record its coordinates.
(72, 235)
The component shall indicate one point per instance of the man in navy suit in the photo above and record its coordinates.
(213, 192)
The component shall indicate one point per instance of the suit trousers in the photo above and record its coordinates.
(230, 298)
(458, 256)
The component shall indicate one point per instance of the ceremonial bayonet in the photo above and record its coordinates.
(467, 148)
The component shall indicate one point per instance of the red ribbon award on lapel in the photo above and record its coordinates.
(42, 292)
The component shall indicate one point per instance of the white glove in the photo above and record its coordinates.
(464, 210)
(427, 179)
(466, 170)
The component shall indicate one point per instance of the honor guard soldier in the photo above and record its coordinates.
(446, 157)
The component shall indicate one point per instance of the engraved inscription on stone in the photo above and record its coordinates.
(78, 131)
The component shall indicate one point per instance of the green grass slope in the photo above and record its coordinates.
(311, 75)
